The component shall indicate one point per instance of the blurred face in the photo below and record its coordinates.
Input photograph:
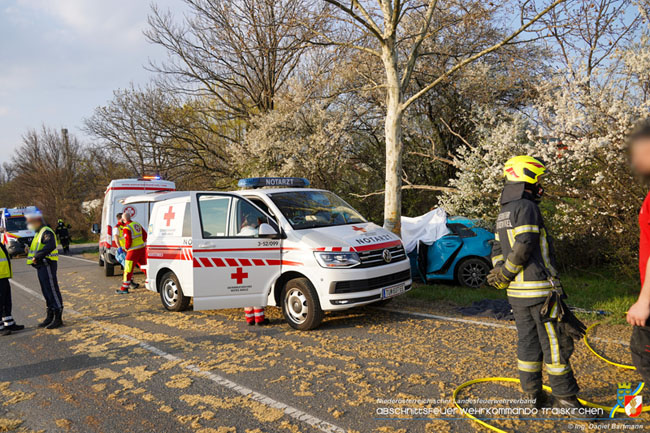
(34, 223)
(640, 155)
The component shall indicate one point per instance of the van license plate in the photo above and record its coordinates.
(391, 291)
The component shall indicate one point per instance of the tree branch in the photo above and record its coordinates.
(476, 56)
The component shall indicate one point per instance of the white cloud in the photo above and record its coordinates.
(4, 111)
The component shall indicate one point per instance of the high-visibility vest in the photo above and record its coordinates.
(136, 235)
(5, 266)
(120, 235)
(37, 245)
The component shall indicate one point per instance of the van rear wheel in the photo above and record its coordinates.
(300, 304)
(109, 269)
(171, 293)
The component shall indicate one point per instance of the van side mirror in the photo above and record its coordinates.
(266, 231)
(95, 229)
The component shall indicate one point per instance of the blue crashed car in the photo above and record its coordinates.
(462, 255)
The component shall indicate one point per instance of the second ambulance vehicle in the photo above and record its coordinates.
(274, 243)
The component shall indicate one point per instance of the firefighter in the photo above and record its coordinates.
(524, 264)
(638, 313)
(43, 255)
(135, 242)
(62, 231)
(7, 325)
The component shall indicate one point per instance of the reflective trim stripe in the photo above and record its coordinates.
(558, 369)
(496, 259)
(3, 259)
(526, 229)
(552, 339)
(528, 293)
(543, 242)
(529, 366)
(496, 237)
(511, 267)
(542, 284)
(511, 237)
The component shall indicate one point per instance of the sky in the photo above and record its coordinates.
(60, 59)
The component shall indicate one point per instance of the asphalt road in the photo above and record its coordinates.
(123, 364)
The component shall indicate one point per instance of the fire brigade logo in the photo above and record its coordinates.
(629, 399)
(130, 210)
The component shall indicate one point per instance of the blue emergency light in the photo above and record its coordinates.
(277, 182)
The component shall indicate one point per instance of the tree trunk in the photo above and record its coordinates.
(393, 132)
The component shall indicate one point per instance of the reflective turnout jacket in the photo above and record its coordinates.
(525, 251)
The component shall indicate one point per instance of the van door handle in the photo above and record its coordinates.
(204, 245)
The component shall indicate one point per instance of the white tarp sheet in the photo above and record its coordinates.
(427, 228)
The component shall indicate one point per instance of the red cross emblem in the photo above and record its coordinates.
(359, 229)
(169, 216)
(240, 275)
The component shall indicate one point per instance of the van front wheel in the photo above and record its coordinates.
(171, 294)
(300, 304)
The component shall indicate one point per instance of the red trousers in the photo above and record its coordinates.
(254, 314)
(133, 257)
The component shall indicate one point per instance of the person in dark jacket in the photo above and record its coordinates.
(43, 255)
(8, 324)
(639, 313)
(524, 264)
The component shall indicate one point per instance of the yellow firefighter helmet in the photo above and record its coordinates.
(523, 168)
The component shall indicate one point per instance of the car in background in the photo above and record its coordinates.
(462, 256)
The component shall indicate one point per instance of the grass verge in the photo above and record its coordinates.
(589, 289)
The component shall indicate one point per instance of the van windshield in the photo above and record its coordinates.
(15, 224)
(311, 209)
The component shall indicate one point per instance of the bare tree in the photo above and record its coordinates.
(394, 31)
(240, 52)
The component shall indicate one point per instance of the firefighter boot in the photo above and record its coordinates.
(538, 399)
(573, 407)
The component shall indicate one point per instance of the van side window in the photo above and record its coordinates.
(246, 219)
(260, 204)
(187, 222)
(213, 212)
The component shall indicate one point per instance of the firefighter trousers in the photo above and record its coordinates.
(541, 344)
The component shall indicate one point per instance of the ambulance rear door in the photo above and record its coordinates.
(233, 266)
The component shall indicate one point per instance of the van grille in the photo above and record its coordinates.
(372, 258)
(372, 283)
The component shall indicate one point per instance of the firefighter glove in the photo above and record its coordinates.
(497, 279)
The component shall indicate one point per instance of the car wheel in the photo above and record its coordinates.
(472, 272)
(300, 304)
(171, 293)
(109, 269)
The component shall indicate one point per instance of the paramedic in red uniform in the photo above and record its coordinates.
(135, 243)
(638, 313)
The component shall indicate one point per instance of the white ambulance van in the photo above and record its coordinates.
(116, 192)
(274, 243)
(16, 235)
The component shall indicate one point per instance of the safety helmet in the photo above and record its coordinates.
(60, 221)
(523, 168)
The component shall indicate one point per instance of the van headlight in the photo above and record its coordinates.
(337, 259)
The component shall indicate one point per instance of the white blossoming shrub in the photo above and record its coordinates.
(578, 126)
